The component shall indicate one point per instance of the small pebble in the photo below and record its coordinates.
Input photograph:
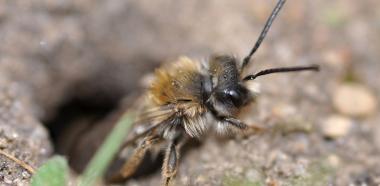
(354, 100)
(25, 174)
(337, 57)
(334, 160)
(336, 126)
(200, 179)
(271, 182)
(253, 175)
(284, 110)
(238, 170)
(7, 180)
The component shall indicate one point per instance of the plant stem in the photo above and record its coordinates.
(103, 157)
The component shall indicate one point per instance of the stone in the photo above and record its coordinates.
(334, 160)
(355, 100)
(336, 126)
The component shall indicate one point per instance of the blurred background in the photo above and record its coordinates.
(65, 65)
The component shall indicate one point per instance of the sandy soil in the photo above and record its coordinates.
(65, 65)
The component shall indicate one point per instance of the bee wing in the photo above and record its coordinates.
(149, 120)
(154, 113)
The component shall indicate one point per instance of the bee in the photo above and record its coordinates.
(188, 98)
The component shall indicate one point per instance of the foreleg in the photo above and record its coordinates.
(169, 168)
(134, 161)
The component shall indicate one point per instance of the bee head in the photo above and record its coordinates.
(228, 92)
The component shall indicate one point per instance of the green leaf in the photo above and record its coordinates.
(103, 157)
(53, 173)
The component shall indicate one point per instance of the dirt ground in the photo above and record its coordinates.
(65, 66)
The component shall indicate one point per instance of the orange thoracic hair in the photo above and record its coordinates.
(177, 82)
(180, 85)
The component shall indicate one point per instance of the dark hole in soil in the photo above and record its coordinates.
(79, 120)
(73, 121)
(82, 123)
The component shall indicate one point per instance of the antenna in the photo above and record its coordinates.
(264, 32)
(283, 69)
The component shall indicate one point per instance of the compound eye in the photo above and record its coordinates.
(235, 97)
(233, 94)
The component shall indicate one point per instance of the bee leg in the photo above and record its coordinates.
(169, 168)
(241, 125)
(134, 161)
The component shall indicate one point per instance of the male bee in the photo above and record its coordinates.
(187, 98)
